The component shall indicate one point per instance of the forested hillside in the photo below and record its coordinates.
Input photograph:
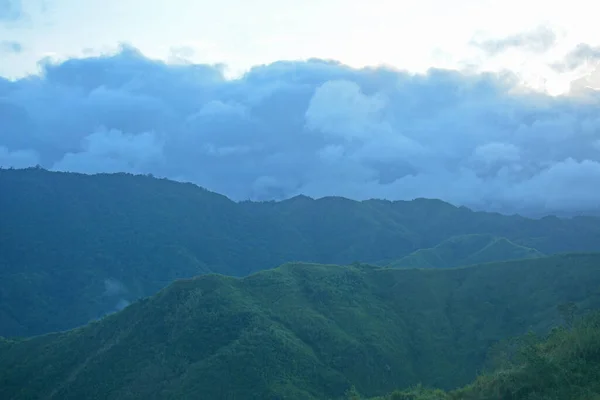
(74, 247)
(563, 364)
(303, 331)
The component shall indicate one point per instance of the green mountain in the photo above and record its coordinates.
(74, 247)
(466, 250)
(302, 331)
(562, 365)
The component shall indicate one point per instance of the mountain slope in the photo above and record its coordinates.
(74, 247)
(562, 365)
(301, 331)
(466, 250)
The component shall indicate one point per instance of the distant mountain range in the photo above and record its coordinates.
(164, 290)
(75, 247)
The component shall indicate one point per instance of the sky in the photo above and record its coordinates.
(488, 104)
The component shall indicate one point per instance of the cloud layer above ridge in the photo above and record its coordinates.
(316, 128)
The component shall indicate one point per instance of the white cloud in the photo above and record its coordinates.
(583, 54)
(113, 151)
(17, 158)
(340, 108)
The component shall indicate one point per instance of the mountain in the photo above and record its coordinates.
(466, 250)
(562, 365)
(302, 331)
(75, 247)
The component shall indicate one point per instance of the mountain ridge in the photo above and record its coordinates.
(303, 331)
(466, 250)
(77, 246)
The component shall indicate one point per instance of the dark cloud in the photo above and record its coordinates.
(582, 54)
(315, 127)
(7, 46)
(11, 10)
(538, 40)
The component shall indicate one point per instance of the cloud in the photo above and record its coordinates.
(11, 10)
(313, 127)
(112, 151)
(339, 108)
(17, 158)
(538, 40)
(582, 54)
(7, 46)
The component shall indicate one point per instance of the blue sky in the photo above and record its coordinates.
(490, 104)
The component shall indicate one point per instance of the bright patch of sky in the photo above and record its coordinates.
(412, 35)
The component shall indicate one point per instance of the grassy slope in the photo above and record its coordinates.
(67, 240)
(466, 250)
(302, 332)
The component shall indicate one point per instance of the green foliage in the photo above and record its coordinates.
(309, 331)
(417, 392)
(65, 238)
(565, 364)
